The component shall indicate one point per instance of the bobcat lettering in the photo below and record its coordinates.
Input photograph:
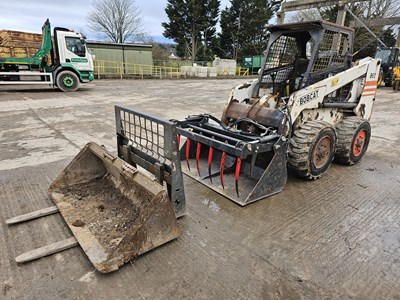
(307, 98)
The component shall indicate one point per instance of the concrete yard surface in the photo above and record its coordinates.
(336, 237)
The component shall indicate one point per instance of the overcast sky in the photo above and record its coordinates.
(29, 15)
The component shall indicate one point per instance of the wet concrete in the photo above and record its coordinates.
(337, 237)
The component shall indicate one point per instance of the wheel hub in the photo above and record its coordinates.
(68, 81)
(322, 152)
(359, 143)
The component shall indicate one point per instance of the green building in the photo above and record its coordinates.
(121, 59)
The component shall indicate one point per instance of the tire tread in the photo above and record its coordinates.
(300, 146)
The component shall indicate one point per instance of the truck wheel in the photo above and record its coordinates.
(312, 149)
(354, 134)
(67, 81)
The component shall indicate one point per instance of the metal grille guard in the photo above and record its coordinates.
(151, 143)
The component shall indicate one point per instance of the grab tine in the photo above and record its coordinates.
(198, 151)
(237, 173)
(187, 152)
(221, 169)
(210, 157)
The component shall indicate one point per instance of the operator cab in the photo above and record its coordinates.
(71, 49)
(390, 58)
(300, 54)
(76, 45)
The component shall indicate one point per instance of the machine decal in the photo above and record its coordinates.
(79, 60)
(307, 98)
(369, 88)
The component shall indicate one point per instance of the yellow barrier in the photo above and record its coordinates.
(242, 71)
(239, 71)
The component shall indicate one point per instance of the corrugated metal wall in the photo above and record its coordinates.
(122, 53)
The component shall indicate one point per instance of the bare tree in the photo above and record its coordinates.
(380, 9)
(364, 42)
(368, 11)
(117, 20)
(365, 10)
(305, 15)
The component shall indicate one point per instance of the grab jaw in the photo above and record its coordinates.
(259, 162)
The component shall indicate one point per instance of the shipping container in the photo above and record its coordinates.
(254, 63)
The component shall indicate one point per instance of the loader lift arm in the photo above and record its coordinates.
(362, 78)
(40, 56)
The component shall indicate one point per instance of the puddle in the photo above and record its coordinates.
(211, 204)
(88, 277)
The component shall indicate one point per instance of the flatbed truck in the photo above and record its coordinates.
(62, 61)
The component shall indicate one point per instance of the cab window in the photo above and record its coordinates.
(75, 45)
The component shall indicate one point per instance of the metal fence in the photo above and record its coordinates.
(103, 68)
(114, 69)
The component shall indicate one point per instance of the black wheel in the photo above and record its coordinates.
(312, 149)
(353, 134)
(67, 81)
(396, 85)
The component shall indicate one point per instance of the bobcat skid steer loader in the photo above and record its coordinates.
(309, 106)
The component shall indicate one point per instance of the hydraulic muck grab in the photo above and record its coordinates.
(242, 166)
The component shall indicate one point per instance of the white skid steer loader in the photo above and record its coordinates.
(309, 105)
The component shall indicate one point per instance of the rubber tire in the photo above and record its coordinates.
(301, 148)
(60, 81)
(347, 130)
(396, 85)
